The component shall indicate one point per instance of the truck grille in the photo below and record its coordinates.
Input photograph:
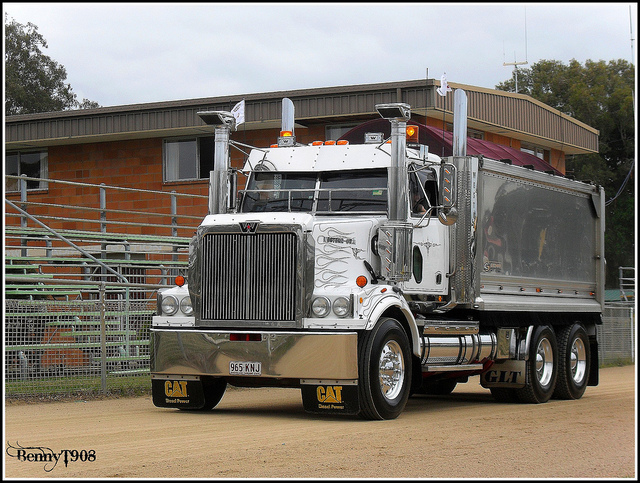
(249, 277)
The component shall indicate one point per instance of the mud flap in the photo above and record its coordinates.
(509, 373)
(337, 397)
(177, 392)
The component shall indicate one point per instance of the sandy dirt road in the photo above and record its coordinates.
(265, 433)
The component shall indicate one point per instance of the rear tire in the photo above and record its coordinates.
(542, 367)
(384, 364)
(574, 362)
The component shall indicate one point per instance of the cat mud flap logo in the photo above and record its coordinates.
(177, 391)
(505, 374)
(337, 397)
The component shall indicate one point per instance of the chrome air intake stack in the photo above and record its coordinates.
(224, 122)
(395, 237)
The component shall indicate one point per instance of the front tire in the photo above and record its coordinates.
(542, 367)
(384, 364)
(574, 362)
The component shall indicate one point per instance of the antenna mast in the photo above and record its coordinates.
(515, 63)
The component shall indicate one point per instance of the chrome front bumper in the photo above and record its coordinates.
(302, 355)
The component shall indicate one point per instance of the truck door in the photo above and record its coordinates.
(430, 243)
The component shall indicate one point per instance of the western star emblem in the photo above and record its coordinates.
(249, 226)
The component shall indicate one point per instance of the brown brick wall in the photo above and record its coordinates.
(138, 164)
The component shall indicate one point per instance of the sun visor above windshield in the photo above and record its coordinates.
(319, 158)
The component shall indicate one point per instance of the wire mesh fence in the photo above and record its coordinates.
(80, 347)
(83, 265)
(617, 335)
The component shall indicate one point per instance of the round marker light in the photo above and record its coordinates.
(185, 306)
(320, 307)
(169, 305)
(179, 280)
(341, 307)
(361, 281)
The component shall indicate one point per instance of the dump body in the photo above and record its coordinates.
(526, 240)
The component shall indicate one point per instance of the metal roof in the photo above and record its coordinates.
(513, 115)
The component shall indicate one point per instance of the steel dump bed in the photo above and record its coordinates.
(535, 241)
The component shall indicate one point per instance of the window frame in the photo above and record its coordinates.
(43, 185)
(198, 154)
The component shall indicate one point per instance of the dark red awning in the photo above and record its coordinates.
(440, 143)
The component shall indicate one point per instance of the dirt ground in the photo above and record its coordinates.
(265, 433)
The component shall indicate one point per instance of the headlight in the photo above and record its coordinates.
(321, 307)
(185, 306)
(169, 305)
(341, 307)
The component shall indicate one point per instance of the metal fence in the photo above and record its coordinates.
(59, 347)
(617, 335)
(81, 285)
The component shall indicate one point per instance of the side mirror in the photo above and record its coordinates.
(448, 185)
(448, 214)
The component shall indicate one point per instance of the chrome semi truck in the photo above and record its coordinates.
(365, 273)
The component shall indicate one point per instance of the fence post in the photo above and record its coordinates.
(23, 218)
(174, 213)
(103, 227)
(103, 208)
(103, 340)
(632, 323)
(174, 226)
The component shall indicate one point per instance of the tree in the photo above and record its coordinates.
(600, 94)
(33, 81)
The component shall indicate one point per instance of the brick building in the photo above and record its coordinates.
(165, 146)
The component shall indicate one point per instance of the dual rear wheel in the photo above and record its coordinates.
(558, 366)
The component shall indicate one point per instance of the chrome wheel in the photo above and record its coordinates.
(578, 362)
(544, 362)
(542, 367)
(391, 370)
(574, 362)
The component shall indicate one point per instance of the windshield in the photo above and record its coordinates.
(329, 192)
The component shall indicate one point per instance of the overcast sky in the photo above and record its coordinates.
(128, 53)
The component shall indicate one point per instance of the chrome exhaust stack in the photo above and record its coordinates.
(396, 236)
(219, 189)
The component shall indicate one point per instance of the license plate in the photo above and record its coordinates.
(237, 368)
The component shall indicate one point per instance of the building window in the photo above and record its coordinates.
(474, 134)
(188, 159)
(31, 164)
(535, 150)
(333, 133)
(471, 133)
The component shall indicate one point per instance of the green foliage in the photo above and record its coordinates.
(600, 94)
(33, 81)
